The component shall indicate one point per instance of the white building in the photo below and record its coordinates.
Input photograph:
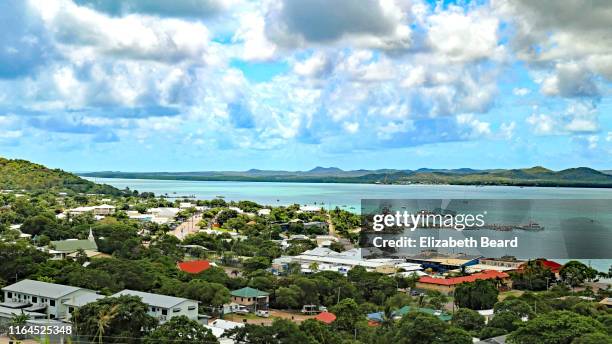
(164, 307)
(310, 208)
(100, 210)
(264, 212)
(43, 297)
(163, 215)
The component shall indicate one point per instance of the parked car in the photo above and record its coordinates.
(313, 309)
(242, 310)
(262, 313)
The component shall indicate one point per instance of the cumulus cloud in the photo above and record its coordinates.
(24, 42)
(175, 8)
(570, 80)
(462, 35)
(365, 23)
(578, 118)
(135, 37)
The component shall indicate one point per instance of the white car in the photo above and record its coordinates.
(263, 314)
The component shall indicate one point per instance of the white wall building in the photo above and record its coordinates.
(164, 307)
(43, 297)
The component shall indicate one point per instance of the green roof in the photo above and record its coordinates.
(249, 292)
(407, 309)
(74, 245)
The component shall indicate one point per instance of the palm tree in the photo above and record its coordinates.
(104, 319)
(314, 266)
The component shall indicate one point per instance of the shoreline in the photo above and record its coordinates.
(302, 181)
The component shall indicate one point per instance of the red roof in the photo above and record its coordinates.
(326, 317)
(554, 266)
(194, 266)
(484, 275)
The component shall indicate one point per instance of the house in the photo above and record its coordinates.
(443, 262)
(163, 215)
(62, 248)
(447, 285)
(326, 317)
(165, 307)
(194, 266)
(186, 205)
(549, 264)
(43, 297)
(264, 212)
(316, 225)
(101, 210)
(220, 326)
(310, 208)
(251, 298)
(325, 240)
(378, 317)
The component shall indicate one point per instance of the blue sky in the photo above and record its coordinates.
(186, 85)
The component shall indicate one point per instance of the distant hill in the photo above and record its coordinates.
(534, 176)
(24, 175)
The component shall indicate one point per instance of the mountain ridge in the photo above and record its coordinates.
(532, 176)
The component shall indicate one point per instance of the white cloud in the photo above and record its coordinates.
(464, 36)
(521, 91)
(376, 24)
(133, 36)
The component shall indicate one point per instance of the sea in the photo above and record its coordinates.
(349, 196)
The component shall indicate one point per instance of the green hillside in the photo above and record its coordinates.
(24, 175)
(534, 176)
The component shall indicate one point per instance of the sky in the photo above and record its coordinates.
(192, 85)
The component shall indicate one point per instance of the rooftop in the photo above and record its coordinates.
(84, 299)
(157, 300)
(72, 245)
(194, 266)
(43, 289)
(489, 274)
(326, 317)
(249, 292)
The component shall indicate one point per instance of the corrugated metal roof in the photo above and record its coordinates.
(249, 292)
(157, 300)
(43, 289)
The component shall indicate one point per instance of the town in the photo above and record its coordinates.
(129, 267)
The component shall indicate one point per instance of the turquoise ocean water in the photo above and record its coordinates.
(348, 196)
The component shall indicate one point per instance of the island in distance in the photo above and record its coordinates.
(534, 176)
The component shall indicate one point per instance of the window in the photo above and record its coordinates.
(34, 299)
(176, 310)
(164, 312)
(52, 303)
(191, 308)
(9, 295)
(70, 309)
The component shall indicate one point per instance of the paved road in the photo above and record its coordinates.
(188, 227)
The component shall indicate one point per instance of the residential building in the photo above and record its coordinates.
(101, 210)
(447, 285)
(607, 302)
(194, 266)
(165, 307)
(42, 297)
(251, 298)
(264, 212)
(398, 314)
(77, 302)
(310, 208)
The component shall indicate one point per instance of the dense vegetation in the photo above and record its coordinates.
(24, 175)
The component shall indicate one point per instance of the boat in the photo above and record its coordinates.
(532, 226)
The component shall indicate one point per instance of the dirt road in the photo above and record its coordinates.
(188, 227)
